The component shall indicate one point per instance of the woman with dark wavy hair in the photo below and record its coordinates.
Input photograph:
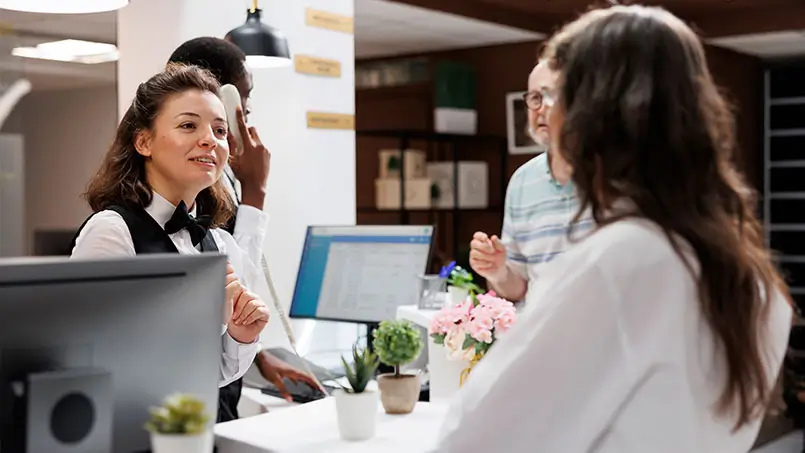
(664, 329)
(159, 190)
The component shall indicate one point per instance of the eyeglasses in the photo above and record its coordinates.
(534, 100)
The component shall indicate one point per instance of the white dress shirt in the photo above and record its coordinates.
(250, 227)
(611, 354)
(106, 235)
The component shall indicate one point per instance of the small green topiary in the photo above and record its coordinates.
(362, 371)
(179, 414)
(397, 343)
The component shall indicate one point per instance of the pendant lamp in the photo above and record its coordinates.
(264, 46)
(63, 6)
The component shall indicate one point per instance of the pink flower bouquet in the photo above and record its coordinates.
(469, 329)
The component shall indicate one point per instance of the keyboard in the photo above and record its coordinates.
(300, 391)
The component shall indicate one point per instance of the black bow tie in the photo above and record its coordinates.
(181, 219)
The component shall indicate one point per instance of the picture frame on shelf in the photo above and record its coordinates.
(519, 140)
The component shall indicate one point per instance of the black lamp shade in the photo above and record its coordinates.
(257, 39)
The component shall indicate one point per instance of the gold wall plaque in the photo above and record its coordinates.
(321, 120)
(317, 66)
(330, 21)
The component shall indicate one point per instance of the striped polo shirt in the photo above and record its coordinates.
(537, 217)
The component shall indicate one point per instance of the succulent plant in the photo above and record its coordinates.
(364, 365)
(179, 414)
(397, 342)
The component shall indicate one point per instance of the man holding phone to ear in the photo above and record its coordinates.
(250, 168)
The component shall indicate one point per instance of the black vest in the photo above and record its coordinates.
(150, 237)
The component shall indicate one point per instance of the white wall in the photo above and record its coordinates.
(12, 195)
(312, 179)
(66, 134)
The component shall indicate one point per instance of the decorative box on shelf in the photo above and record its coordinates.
(390, 163)
(417, 193)
(450, 120)
(455, 91)
(473, 184)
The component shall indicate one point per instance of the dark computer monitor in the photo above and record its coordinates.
(360, 273)
(74, 334)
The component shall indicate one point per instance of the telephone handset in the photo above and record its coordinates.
(230, 96)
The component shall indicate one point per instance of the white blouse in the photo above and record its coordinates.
(250, 228)
(611, 354)
(106, 235)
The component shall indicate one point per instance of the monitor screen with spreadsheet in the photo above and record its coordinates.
(360, 273)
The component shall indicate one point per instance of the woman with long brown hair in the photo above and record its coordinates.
(159, 190)
(664, 329)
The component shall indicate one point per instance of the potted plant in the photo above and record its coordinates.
(469, 329)
(398, 343)
(356, 405)
(180, 424)
(460, 284)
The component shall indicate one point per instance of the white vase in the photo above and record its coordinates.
(174, 443)
(444, 374)
(357, 414)
(456, 295)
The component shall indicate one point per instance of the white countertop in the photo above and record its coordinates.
(416, 315)
(313, 427)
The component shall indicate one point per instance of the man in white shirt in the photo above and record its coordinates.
(250, 171)
(540, 204)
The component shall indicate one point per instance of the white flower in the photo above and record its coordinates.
(454, 342)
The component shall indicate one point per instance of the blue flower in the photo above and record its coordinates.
(446, 270)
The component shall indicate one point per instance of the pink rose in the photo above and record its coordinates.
(447, 319)
(480, 333)
(483, 317)
(440, 323)
(481, 324)
(495, 304)
(505, 321)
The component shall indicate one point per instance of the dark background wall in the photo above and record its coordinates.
(500, 70)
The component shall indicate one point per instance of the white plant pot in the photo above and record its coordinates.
(357, 414)
(175, 443)
(456, 295)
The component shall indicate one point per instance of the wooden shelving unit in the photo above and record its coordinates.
(784, 207)
(444, 147)
(784, 173)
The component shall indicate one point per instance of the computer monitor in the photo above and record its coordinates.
(360, 273)
(132, 331)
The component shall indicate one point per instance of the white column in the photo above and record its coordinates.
(312, 177)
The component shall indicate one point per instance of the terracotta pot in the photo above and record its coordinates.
(399, 394)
